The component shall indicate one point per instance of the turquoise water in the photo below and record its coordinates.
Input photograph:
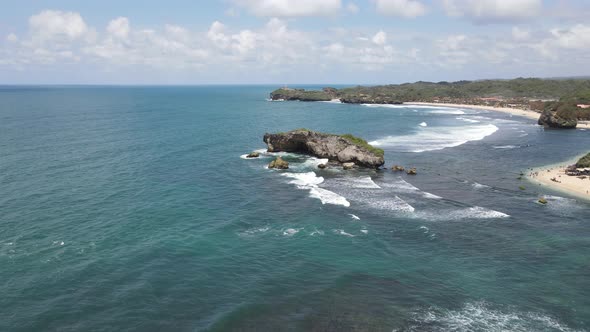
(130, 208)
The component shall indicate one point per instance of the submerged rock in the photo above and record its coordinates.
(279, 163)
(542, 200)
(397, 168)
(253, 155)
(339, 148)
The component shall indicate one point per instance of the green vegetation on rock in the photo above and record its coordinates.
(569, 89)
(361, 142)
(584, 162)
(561, 95)
(300, 94)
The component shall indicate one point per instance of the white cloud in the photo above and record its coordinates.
(12, 38)
(119, 27)
(244, 41)
(50, 24)
(576, 37)
(520, 34)
(352, 8)
(380, 38)
(291, 8)
(58, 40)
(490, 11)
(401, 8)
(217, 34)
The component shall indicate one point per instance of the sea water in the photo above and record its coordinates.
(133, 208)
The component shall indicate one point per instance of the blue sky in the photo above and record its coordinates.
(290, 41)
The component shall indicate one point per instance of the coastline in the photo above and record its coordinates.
(571, 185)
(512, 111)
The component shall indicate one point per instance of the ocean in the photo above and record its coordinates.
(134, 209)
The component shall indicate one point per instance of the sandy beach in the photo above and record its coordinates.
(512, 111)
(573, 185)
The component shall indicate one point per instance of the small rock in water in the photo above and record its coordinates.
(322, 166)
(279, 163)
(412, 171)
(542, 200)
(397, 168)
(348, 165)
(253, 154)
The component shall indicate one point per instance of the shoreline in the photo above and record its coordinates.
(512, 111)
(571, 185)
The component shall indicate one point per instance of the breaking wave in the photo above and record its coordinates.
(476, 212)
(480, 316)
(436, 138)
(310, 181)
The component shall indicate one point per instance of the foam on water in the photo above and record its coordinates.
(364, 231)
(310, 181)
(480, 316)
(354, 216)
(561, 205)
(423, 124)
(408, 106)
(304, 180)
(342, 232)
(254, 231)
(476, 212)
(265, 154)
(450, 112)
(476, 185)
(431, 196)
(291, 231)
(310, 163)
(436, 138)
(328, 197)
(393, 204)
(333, 101)
(362, 182)
(403, 186)
(316, 232)
(468, 119)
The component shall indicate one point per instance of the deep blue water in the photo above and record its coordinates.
(130, 208)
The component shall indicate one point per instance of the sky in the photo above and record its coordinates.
(290, 41)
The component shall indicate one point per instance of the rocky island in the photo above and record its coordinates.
(343, 149)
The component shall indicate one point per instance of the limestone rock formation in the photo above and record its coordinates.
(339, 148)
(550, 119)
(279, 163)
(347, 166)
(253, 154)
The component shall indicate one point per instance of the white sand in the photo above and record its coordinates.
(513, 111)
(572, 185)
